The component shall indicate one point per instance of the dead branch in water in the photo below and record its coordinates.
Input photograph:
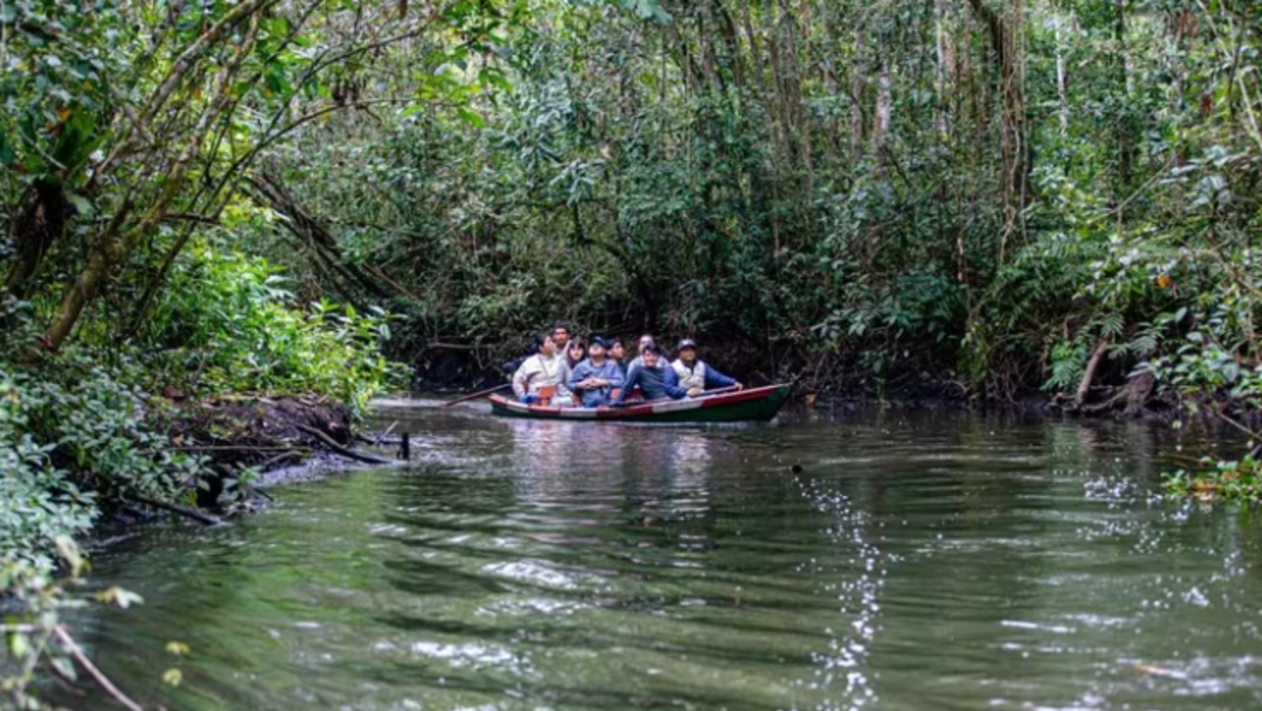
(74, 651)
(184, 511)
(1089, 374)
(339, 449)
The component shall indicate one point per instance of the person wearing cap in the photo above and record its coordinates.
(695, 375)
(594, 379)
(657, 383)
(543, 370)
(638, 362)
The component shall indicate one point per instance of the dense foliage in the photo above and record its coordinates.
(999, 195)
(996, 195)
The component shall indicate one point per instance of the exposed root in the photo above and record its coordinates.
(1089, 374)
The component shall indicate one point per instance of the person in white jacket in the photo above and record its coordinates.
(545, 369)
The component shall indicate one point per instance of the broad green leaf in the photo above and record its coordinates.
(64, 667)
(471, 117)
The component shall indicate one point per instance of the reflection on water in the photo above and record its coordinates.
(888, 562)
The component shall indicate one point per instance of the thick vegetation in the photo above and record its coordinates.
(996, 196)
(1001, 196)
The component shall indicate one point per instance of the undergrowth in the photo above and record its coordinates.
(83, 429)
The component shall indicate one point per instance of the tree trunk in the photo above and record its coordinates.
(1013, 143)
(35, 224)
(1062, 88)
(1123, 126)
(856, 97)
(941, 68)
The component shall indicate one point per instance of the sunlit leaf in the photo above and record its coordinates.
(119, 596)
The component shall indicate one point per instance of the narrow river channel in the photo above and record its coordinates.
(880, 561)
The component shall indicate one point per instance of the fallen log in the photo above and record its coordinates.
(184, 511)
(333, 446)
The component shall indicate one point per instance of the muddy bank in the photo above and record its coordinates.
(283, 440)
(271, 436)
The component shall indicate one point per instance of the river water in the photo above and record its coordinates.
(876, 561)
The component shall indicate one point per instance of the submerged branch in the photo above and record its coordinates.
(184, 511)
(339, 449)
(73, 649)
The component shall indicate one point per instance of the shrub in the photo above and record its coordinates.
(227, 324)
(71, 433)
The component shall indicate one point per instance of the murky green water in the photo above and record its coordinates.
(915, 562)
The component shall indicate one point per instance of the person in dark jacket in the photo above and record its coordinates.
(656, 383)
(595, 378)
(638, 362)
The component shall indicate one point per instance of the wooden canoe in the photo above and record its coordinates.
(751, 404)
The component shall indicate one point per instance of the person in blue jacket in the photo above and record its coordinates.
(656, 383)
(595, 378)
(695, 375)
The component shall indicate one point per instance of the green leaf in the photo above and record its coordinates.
(6, 151)
(81, 204)
(19, 645)
(279, 84)
(471, 118)
(64, 667)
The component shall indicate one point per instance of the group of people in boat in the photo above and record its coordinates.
(564, 371)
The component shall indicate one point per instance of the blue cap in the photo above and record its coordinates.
(600, 341)
(686, 343)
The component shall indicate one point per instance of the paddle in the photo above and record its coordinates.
(718, 391)
(474, 396)
(708, 393)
